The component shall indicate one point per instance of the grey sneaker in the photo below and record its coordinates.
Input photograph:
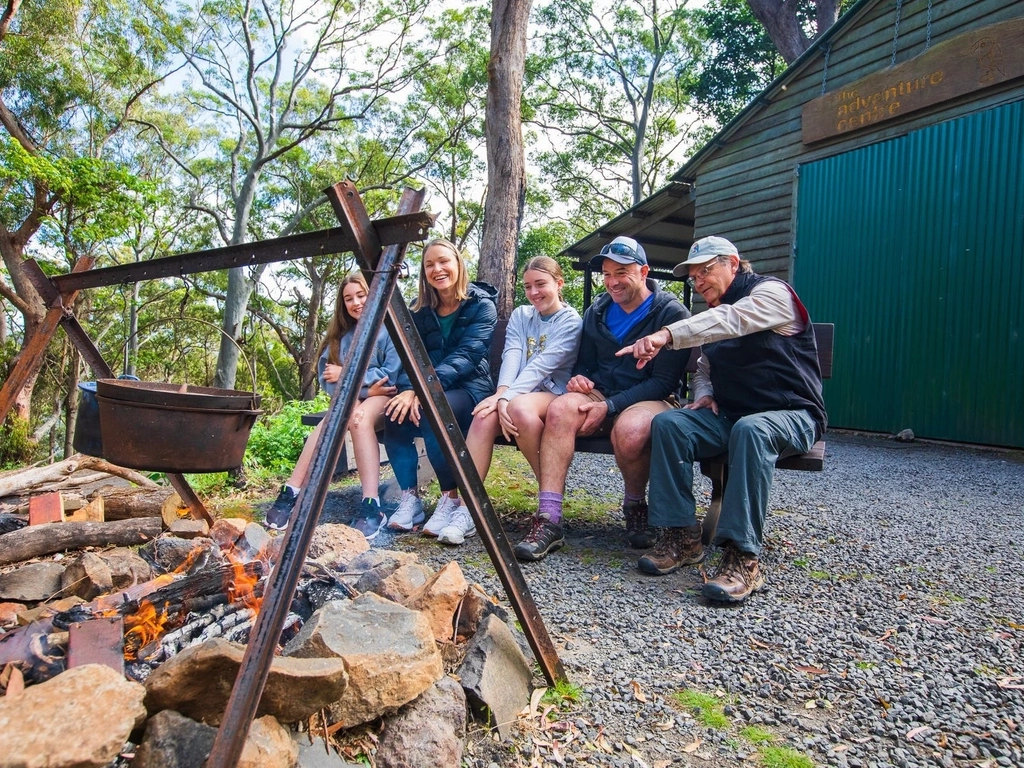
(281, 510)
(442, 516)
(369, 520)
(409, 513)
(459, 527)
(544, 537)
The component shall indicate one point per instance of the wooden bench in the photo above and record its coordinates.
(717, 468)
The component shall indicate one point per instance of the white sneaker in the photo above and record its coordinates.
(409, 513)
(442, 516)
(459, 528)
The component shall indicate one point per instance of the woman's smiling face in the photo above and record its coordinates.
(355, 299)
(441, 268)
(542, 290)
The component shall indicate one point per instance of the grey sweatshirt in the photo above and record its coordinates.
(539, 354)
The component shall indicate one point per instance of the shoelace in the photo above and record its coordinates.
(536, 530)
(732, 565)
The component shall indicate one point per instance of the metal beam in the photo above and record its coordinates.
(391, 231)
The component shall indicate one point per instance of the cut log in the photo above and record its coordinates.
(173, 510)
(93, 512)
(125, 503)
(40, 540)
(47, 508)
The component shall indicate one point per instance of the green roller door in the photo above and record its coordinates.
(913, 247)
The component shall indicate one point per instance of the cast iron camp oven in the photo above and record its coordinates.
(162, 427)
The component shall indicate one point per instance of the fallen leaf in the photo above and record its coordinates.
(885, 704)
(693, 746)
(668, 725)
(595, 578)
(887, 634)
(535, 698)
(840, 747)
(1014, 625)
(1011, 683)
(638, 692)
(810, 705)
(918, 731)
(934, 620)
(812, 670)
(661, 764)
(604, 744)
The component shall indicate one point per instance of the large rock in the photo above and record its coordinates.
(335, 544)
(430, 732)
(169, 553)
(175, 741)
(439, 598)
(126, 567)
(80, 718)
(373, 565)
(496, 676)
(404, 582)
(226, 530)
(31, 583)
(476, 606)
(198, 681)
(88, 576)
(389, 652)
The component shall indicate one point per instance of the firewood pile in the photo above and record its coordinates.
(121, 583)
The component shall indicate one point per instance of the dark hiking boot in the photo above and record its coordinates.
(544, 537)
(638, 534)
(281, 509)
(737, 576)
(676, 547)
(369, 520)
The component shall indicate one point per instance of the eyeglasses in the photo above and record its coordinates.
(701, 273)
(620, 249)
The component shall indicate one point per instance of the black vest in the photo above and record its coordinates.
(765, 371)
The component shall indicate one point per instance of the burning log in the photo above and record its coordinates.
(40, 540)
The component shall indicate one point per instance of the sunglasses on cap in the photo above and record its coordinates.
(620, 249)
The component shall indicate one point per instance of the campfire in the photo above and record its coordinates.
(357, 616)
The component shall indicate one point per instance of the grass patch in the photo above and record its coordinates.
(756, 735)
(706, 708)
(511, 484)
(784, 757)
(562, 695)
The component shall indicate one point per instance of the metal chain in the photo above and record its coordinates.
(928, 34)
(896, 31)
(824, 71)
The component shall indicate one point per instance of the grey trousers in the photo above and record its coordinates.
(754, 442)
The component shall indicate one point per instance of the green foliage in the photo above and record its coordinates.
(276, 442)
(784, 757)
(548, 240)
(562, 695)
(756, 735)
(707, 709)
(16, 445)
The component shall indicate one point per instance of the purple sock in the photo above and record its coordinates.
(550, 503)
(631, 498)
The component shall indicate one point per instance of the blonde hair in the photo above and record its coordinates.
(428, 296)
(548, 265)
(342, 322)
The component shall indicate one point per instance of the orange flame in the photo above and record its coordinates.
(143, 627)
(241, 587)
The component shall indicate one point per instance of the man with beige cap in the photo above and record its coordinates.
(757, 395)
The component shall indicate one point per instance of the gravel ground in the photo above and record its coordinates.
(889, 633)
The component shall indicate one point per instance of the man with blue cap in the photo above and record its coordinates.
(610, 395)
(757, 395)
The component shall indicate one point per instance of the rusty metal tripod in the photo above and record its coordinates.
(384, 304)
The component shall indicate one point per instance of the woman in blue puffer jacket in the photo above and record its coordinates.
(456, 319)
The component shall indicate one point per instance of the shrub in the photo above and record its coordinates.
(16, 445)
(276, 441)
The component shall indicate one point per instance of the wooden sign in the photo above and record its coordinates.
(969, 62)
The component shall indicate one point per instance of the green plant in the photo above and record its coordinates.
(276, 441)
(562, 695)
(756, 735)
(707, 708)
(16, 444)
(784, 757)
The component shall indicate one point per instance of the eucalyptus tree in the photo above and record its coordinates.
(266, 78)
(794, 24)
(612, 88)
(71, 73)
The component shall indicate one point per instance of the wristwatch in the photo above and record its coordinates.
(612, 410)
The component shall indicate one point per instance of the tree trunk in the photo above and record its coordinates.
(506, 175)
(779, 18)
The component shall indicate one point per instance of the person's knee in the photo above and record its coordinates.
(748, 431)
(563, 413)
(631, 435)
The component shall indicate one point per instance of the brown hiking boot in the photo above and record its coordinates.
(676, 547)
(738, 576)
(638, 534)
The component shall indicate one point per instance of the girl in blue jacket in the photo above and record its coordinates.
(456, 320)
(378, 387)
(541, 340)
